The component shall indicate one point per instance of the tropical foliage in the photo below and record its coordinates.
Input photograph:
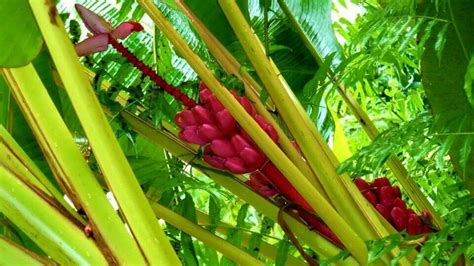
(93, 169)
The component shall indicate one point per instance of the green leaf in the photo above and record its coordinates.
(282, 253)
(440, 42)
(20, 39)
(214, 213)
(468, 81)
(254, 244)
(210, 13)
(242, 214)
(314, 18)
(188, 210)
(444, 80)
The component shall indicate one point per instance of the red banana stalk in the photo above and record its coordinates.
(104, 35)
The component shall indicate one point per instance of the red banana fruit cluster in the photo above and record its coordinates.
(388, 201)
(226, 145)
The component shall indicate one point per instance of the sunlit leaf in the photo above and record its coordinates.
(20, 39)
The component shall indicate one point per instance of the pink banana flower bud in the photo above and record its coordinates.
(105, 34)
(398, 202)
(361, 184)
(386, 196)
(245, 102)
(396, 192)
(410, 210)
(102, 31)
(371, 197)
(399, 218)
(380, 182)
(214, 104)
(384, 211)
(239, 142)
(414, 225)
(123, 30)
(204, 92)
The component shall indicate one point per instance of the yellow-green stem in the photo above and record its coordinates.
(57, 236)
(16, 160)
(12, 252)
(117, 172)
(47, 125)
(227, 249)
(265, 249)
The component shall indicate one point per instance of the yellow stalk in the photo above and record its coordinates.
(21, 255)
(16, 160)
(345, 232)
(10, 161)
(252, 89)
(117, 172)
(14, 164)
(265, 249)
(45, 225)
(64, 157)
(226, 248)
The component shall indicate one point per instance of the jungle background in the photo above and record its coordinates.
(408, 66)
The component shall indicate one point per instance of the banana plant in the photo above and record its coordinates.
(258, 142)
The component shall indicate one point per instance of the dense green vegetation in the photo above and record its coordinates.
(366, 88)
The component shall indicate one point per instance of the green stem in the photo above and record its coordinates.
(16, 160)
(117, 172)
(227, 249)
(57, 236)
(13, 253)
(67, 162)
(264, 248)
